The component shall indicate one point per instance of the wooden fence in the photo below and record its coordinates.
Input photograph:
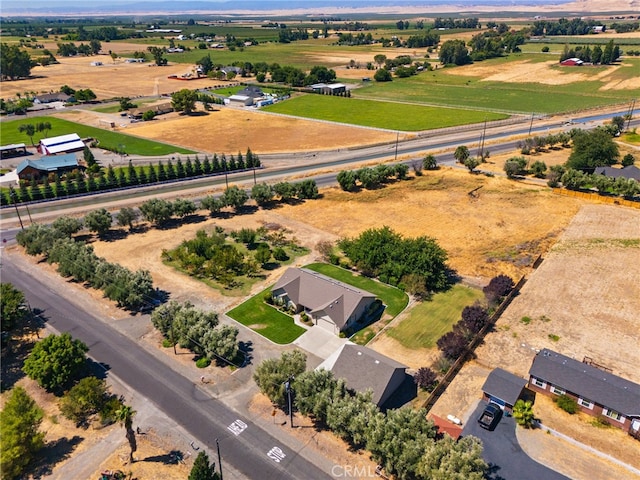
(468, 354)
(596, 197)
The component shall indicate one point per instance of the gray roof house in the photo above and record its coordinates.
(597, 392)
(628, 172)
(333, 305)
(365, 369)
(503, 388)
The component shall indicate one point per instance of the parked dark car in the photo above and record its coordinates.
(490, 417)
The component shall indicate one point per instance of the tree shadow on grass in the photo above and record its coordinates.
(53, 453)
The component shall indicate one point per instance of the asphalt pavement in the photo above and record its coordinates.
(503, 453)
(250, 450)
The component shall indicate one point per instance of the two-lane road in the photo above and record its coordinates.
(250, 450)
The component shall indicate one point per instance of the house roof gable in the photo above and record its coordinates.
(587, 381)
(49, 163)
(318, 292)
(504, 385)
(364, 369)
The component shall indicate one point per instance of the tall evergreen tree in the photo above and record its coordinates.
(162, 173)
(132, 174)
(180, 172)
(153, 176)
(216, 166)
(206, 165)
(171, 171)
(197, 166)
(112, 181)
(188, 168)
(202, 470)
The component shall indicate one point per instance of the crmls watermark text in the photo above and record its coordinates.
(353, 471)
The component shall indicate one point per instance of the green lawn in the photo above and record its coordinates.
(110, 140)
(266, 320)
(428, 321)
(379, 114)
(394, 298)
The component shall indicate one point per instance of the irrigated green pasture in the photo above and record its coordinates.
(110, 140)
(387, 115)
(445, 87)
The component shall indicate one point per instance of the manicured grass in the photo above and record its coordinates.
(395, 299)
(428, 321)
(266, 320)
(109, 140)
(370, 113)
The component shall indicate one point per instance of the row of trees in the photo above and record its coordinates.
(71, 49)
(112, 178)
(130, 290)
(577, 180)
(417, 265)
(575, 26)
(370, 178)
(597, 55)
(403, 441)
(184, 325)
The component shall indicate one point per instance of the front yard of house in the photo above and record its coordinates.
(280, 328)
(266, 320)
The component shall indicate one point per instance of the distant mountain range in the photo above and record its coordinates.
(71, 7)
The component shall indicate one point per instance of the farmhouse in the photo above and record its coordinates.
(230, 71)
(53, 97)
(331, 304)
(628, 172)
(503, 388)
(597, 392)
(572, 62)
(365, 369)
(62, 144)
(36, 169)
(159, 109)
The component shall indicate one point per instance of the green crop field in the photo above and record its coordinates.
(444, 87)
(429, 320)
(111, 140)
(371, 113)
(266, 320)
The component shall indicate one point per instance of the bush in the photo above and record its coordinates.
(567, 404)
(166, 343)
(203, 362)
(268, 298)
(426, 378)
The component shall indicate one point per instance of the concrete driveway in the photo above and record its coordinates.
(319, 342)
(503, 453)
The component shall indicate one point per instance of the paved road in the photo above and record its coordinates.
(252, 452)
(503, 452)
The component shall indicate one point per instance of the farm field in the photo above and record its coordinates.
(387, 115)
(108, 139)
(231, 130)
(516, 84)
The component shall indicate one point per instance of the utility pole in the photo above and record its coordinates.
(397, 139)
(12, 194)
(219, 458)
(531, 124)
(630, 113)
